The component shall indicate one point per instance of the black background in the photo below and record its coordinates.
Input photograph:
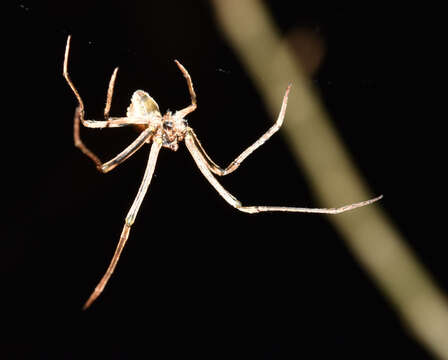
(198, 278)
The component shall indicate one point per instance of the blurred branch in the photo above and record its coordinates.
(372, 237)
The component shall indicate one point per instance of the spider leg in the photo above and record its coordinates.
(110, 93)
(114, 122)
(117, 160)
(155, 148)
(184, 112)
(67, 77)
(204, 168)
(126, 153)
(80, 109)
(77, 138)
(110, 122)
(236, 163)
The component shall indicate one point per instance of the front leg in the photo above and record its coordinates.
(184, 112)
(240, 158)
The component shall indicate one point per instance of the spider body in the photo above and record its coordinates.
(171, 128)
(167, 131)
(174, 129)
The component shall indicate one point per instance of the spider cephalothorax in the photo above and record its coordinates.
(174, 128)
(166, 131)
(171, 128)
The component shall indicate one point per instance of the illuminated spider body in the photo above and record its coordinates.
(167, 131)
(170, 128)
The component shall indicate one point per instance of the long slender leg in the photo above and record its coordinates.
(120, 157)
(126, 153)
(77, 138)
(236, 163)
(117, 160)
(79, 112)
(110, 122)
(110, 93)
(114, 122)
(155, 148)
(204, 168)
(184, 112)
(67, 77)
(80, 109)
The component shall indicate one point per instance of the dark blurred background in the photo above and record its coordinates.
(198, 278)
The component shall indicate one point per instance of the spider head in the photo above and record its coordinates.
(173, 130)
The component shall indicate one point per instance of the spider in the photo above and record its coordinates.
(168, 131)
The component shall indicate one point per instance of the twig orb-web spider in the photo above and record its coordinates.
(167, 131)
